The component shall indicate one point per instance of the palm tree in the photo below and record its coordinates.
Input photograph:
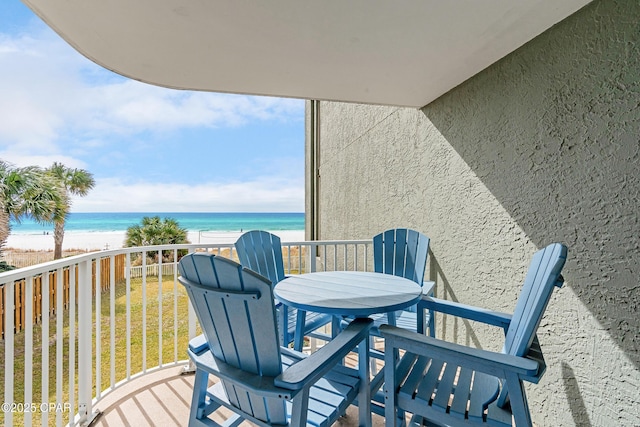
(26, 191)
(154, 231)
(75, 182)
(4, 234)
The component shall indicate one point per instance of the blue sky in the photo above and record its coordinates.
(150, 149)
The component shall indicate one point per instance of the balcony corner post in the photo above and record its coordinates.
(313, 249)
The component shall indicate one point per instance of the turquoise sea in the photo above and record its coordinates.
(192, 221)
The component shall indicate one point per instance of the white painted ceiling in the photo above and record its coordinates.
(391, 52)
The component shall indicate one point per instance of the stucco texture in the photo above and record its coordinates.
(542, 146)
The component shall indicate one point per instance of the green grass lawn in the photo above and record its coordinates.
(137, 326)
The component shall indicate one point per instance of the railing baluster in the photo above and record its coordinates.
(366, 257)
(112, 321)
(72, 341)
(98, 320)
(128, 313)
(345, 252)
(355, 257)
(85, 372)
(9, 312)
(45, 346)
(59, 342)
(160, 308)
(191, 325)
(288, 271)
(324, 266)
(175, 305)
(144, 311)
(28, 348)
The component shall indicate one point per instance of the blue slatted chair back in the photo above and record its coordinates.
(239, 325)
(261, 251)
(401, 252)
(542, 276)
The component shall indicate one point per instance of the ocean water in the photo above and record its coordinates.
(192, 221)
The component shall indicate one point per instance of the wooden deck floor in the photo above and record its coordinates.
(163, 399)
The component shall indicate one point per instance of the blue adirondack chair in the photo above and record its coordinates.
(402, 252)
(261, 251)
(258, 380)
(449, 384)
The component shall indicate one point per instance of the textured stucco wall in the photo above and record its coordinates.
(542, 146)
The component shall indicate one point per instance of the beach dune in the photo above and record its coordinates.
(101, 240)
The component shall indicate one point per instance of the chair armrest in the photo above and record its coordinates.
(312, 368)
(198, 344)
(493, 363)
(427, 287)
(261, 385)
(477, 314)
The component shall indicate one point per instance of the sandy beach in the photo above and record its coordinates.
(100, 240)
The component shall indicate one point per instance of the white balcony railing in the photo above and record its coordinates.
(76, 329)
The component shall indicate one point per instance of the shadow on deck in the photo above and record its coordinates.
(163, 399)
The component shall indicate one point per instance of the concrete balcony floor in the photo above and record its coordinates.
(163, 398)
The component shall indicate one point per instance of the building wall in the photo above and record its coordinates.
(542, 146)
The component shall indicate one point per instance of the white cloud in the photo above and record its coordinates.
(56, 105)
(53, 100)
(136, 106)
(259, 195)
(25, 159)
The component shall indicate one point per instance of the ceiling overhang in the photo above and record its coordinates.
(404, 53)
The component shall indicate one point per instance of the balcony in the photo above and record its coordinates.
(117, 326)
